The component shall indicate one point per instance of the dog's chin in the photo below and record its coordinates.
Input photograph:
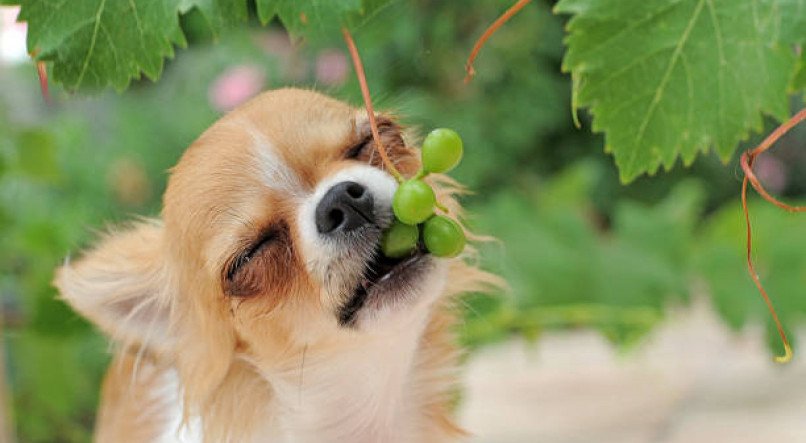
(391, 286)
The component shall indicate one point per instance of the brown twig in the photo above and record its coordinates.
(746, 161)
(487, 34)
(42, 72)
(43, 81)
(362, 81)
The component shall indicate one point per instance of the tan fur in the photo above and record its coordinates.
(130, 408)
(160, 288)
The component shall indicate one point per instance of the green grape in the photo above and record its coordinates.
(443, 237)
(399, 240)
(413, 202)
(441, 150)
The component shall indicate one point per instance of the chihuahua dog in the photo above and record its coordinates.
(258, 307)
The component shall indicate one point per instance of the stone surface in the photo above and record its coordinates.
(692, 381)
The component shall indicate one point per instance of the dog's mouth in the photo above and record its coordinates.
(384, 281)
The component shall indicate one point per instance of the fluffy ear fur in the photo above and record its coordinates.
(122, 285)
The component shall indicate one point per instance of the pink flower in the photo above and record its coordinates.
(331, 67)
(235, 86)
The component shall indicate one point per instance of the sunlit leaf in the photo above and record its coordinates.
(94, 44)
(673, 78)
(218, 14)
(311, 17)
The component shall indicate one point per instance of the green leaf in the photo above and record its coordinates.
(671, 78)
(793, 32)
(98, 43)
(219, 14)
(792, 15)
(302, 16)
(94, 44)
(799, 82)
(310, 17)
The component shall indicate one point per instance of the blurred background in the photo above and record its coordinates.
(630, 318)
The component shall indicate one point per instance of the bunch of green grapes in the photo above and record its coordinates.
(414, 203)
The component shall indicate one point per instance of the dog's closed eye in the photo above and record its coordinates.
(260, 262)
(243, 258)
(359, 149)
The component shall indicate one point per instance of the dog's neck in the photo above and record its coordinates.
(361, 394)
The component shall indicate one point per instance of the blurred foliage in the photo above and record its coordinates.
(578, 248)
(577, 273)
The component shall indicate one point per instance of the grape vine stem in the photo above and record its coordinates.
(362, 81)
(488, 33)
(42, 72)
(43, 80)
(747, 160)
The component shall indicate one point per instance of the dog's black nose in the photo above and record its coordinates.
(345, 207)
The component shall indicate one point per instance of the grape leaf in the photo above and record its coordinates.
(671, 78)
(793, 32)
(791, 16)
(310, 17)
(799, 82)
(218, 13)
(98, 43)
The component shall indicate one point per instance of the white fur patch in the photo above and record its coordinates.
(277, 174)
(362, 395)
(175, 431)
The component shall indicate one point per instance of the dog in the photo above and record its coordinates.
(257, 307)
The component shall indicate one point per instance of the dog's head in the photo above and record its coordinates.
(268, 244)
(276, 214)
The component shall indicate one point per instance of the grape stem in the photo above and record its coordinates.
(487, 34)
(43, 81)
(442, 207)
(421, 174)
(362, 81)
(747, 160)
(42, 72)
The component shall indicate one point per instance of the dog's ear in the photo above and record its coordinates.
(123, 285)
